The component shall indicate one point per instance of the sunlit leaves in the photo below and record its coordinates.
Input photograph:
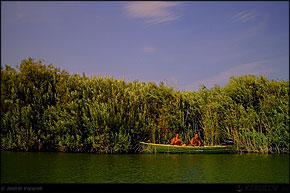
(44, 108)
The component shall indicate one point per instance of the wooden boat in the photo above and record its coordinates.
(163, 148)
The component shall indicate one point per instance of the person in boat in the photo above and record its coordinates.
(176, 140)
(195, 141)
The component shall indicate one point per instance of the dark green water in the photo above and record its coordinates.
(47, 167)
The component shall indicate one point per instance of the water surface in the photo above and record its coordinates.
(55, 167)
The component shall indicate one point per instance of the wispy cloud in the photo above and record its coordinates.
(149, 49)
(222, 78)
(244, 16)
(152, 11)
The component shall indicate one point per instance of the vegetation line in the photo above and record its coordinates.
(46, 109)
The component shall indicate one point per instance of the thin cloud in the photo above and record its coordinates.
(149, 49)
(244, 16)
(152, 11)
(222, 78)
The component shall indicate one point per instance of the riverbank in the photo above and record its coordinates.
(46, 109)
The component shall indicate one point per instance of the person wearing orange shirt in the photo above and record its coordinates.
(176, 140)
(195, 141)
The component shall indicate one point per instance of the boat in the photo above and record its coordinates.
(164, 148)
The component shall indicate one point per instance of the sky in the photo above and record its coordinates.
(186, 43)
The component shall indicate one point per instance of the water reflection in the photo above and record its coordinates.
(44, 167)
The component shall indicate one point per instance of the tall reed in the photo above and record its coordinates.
(44, 108)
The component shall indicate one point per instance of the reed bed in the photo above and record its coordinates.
(44, 108)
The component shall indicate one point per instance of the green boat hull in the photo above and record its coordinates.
(160, 148)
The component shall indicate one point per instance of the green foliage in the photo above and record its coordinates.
(46, 109)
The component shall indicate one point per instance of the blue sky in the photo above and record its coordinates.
(185, 43)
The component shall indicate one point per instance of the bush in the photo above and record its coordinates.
(46, 109)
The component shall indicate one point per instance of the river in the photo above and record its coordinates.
(56, 167)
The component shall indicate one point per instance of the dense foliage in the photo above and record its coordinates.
(46, 109)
